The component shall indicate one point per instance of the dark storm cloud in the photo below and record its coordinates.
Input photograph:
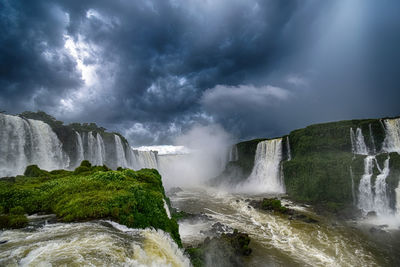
(154, 68)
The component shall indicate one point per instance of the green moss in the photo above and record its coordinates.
(273, 204)
(132, 198)
(34, 171)
(319, 178)
(86, 163)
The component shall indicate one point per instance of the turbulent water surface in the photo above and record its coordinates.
(100, 243)
(277, 241)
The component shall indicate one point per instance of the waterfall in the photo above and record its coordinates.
(131, 158)
(120, 152)
(374, 198)
(79, 149)
(289, 152)
(371, 136)
(24, 142)
(101, 149)
(392, 139)
(167, 209)
(265, 176)
(381, 200)
(233, 154)
(398, 199)
(365, 195)
(96, 149)
(146, 159)
(353, 192)
(358, 145)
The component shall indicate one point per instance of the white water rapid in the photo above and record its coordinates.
(275, 240)
(24, 142)
(266, 174)
(103, 243)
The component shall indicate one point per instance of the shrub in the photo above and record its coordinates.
(34, 171)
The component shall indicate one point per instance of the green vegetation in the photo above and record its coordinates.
(273, 204)
(322, 178)
(14, 219)
(132, 198)
(319, 171)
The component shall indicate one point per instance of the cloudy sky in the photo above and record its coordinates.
(153, 69)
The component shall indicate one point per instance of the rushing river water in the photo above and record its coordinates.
(101, 243)
(277, 241)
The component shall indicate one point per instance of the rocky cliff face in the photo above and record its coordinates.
(38, 138)
(328, 163)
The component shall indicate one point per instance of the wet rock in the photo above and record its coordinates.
(371, 214)
(3, 242)
(217, 229)
(376, 230)
(274, 205)
(224, 250)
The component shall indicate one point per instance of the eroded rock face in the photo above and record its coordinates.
(224, 250)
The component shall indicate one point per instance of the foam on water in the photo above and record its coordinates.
(313, 244)
(90, 244)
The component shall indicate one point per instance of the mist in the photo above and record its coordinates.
(207, 156)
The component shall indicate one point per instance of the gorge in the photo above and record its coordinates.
(345, 175)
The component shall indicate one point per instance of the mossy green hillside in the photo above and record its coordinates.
(323, 168)
(131, 198)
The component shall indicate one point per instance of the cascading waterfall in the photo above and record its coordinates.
(374, 197)
(24, 142)
(358, 145)
(365, 195)
(289, 152)
(381, 200)
(80, 152)
(101, 148)
(265, 176)
(96, 149)
(146, 159)
(398, 199)
(371, 136)
(132, 160)
(233, 154)
(392, 139)
(167, 209)
(353, 192)
(120, 152)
